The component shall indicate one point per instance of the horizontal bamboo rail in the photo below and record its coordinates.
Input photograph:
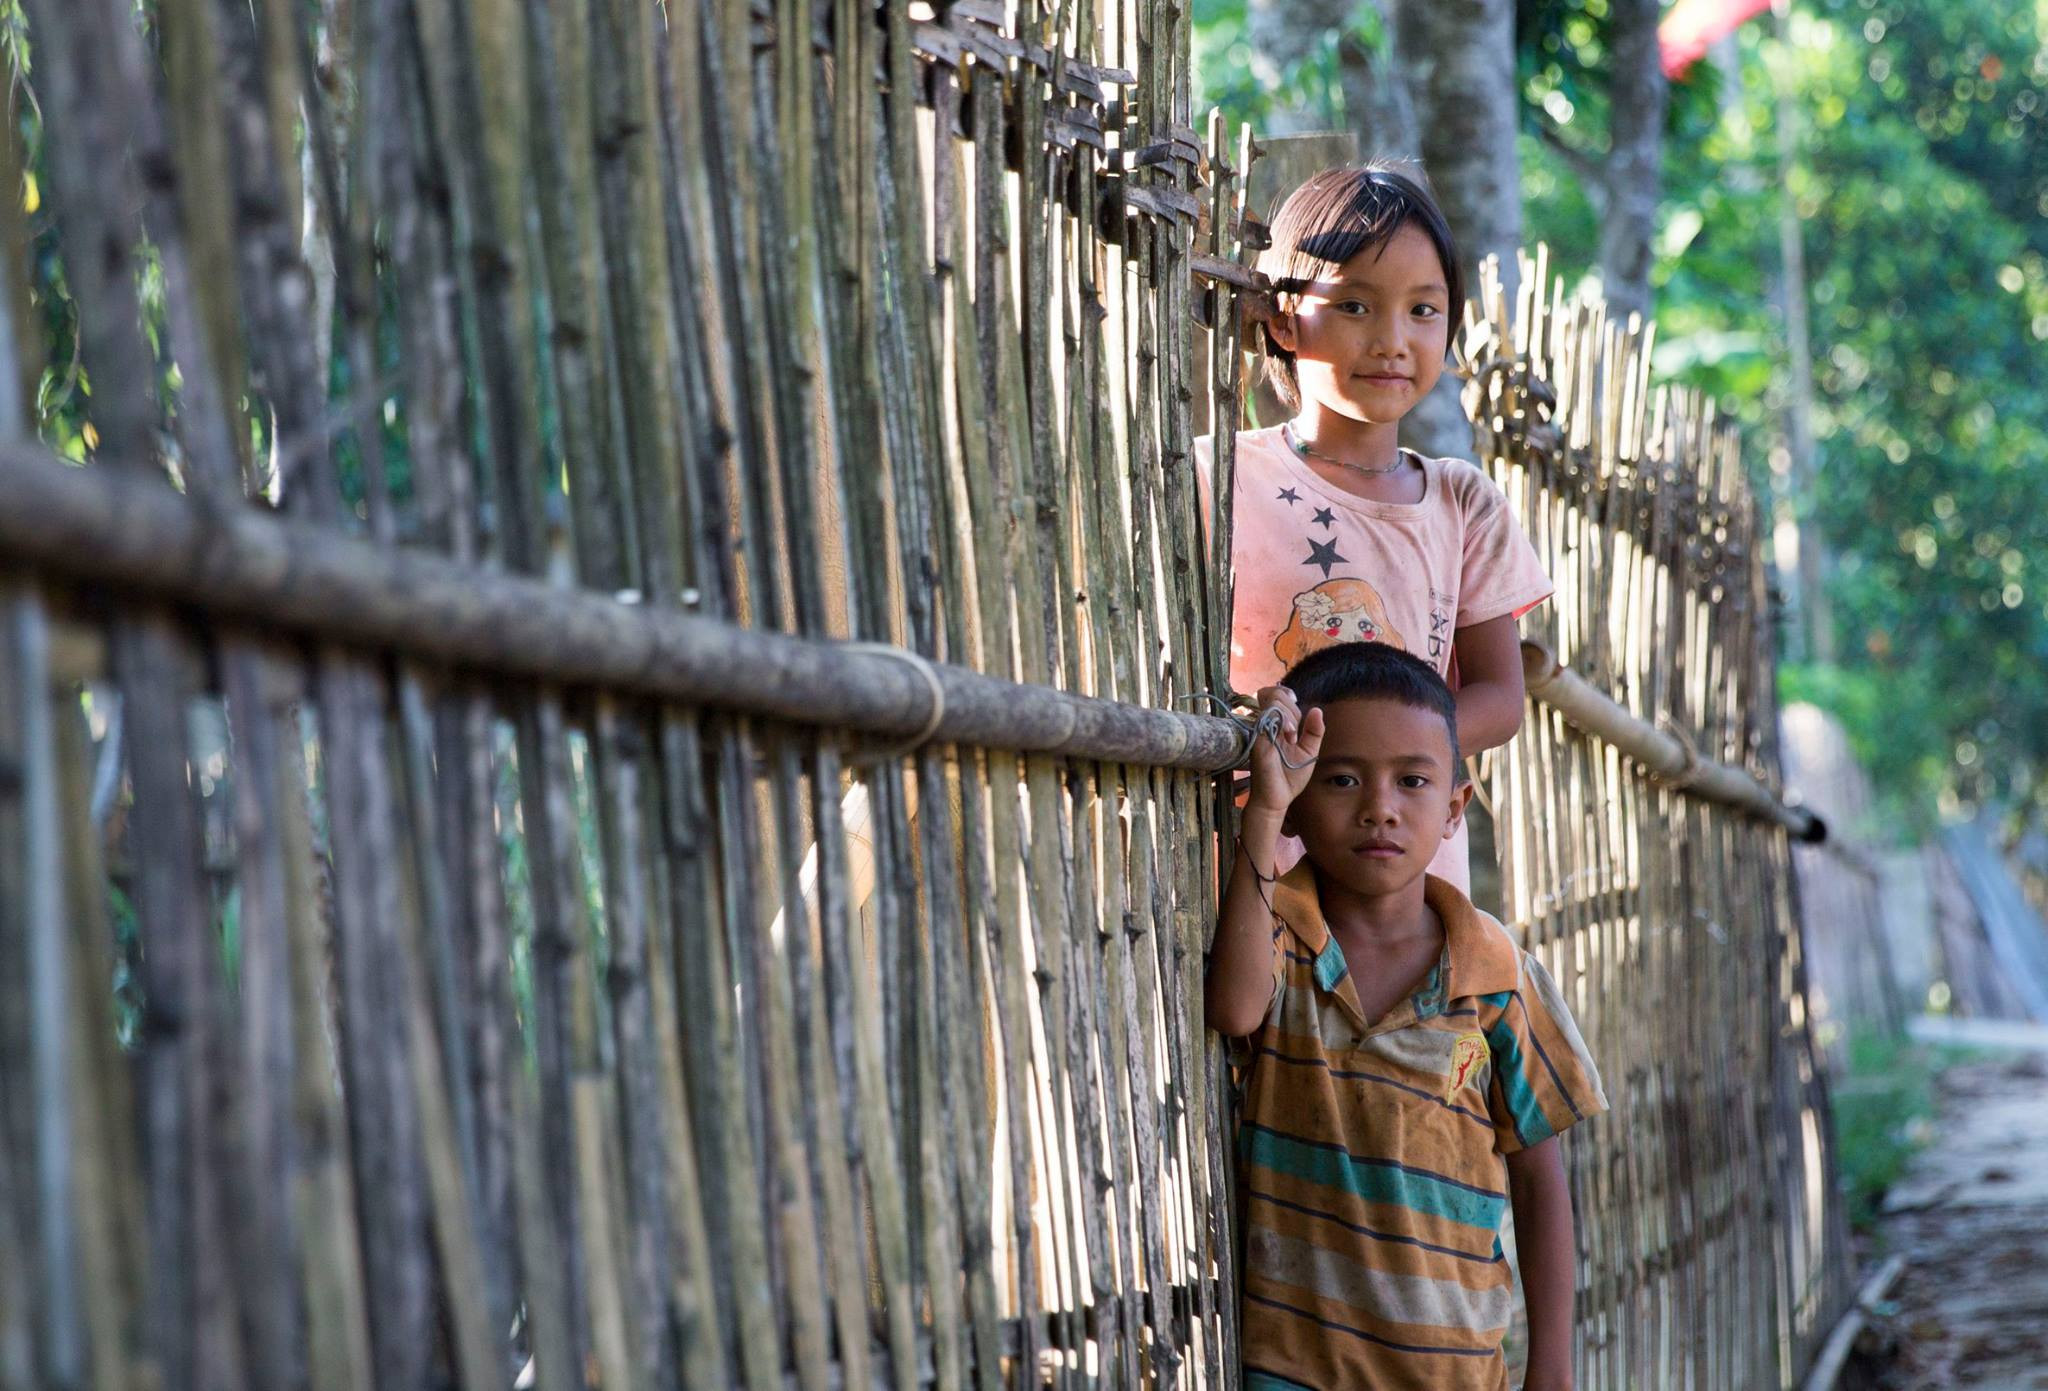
(1663, 754)
(124, 530)
(128, 531)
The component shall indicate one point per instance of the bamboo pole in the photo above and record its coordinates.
(1659, 752)
(51, 1035)
(242, 564)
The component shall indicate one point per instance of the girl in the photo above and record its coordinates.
(1339, 534)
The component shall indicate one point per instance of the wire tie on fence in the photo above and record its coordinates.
(934, 716)
(1267, 723)
(1244, 726)
(1688, 774)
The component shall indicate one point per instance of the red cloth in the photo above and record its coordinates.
(1694, 26)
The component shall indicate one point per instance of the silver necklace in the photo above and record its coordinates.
(1305, 450)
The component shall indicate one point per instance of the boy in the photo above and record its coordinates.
(1410, 1066)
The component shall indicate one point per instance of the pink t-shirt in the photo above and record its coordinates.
(1316, 566)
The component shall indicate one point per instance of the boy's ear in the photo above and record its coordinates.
(1461, 797)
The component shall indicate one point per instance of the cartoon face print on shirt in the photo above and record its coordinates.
(1335, 611)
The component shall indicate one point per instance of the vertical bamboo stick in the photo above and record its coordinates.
(51, 1035)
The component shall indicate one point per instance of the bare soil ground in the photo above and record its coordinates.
(1970, 1311)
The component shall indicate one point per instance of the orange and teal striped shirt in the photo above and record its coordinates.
(1372, 1171)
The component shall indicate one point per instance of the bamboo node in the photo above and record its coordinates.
(1688, 772)
(935, 714)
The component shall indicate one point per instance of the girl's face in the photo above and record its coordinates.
(1369, 342)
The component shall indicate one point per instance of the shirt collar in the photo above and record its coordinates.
(1480, 956)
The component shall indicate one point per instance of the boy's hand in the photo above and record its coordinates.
(1278, 780)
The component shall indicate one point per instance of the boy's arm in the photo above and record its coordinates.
(1238, 988)
(1542, 1201)
(1489, 684)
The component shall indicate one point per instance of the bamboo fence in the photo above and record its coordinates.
(1661, 894)
(600, 788)
(653, 765)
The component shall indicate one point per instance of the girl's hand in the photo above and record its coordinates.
(1282, 766)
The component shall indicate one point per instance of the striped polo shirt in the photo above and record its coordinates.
(1371, 1173)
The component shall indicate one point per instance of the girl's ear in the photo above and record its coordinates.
(1281, 327)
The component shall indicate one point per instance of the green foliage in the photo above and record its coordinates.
(127, 982)
(1918, 181)
(1228, 74)
(1883, 1108)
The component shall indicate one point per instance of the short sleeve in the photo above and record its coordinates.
(1543, 1080)
(1502, 576)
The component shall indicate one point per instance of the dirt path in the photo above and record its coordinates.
(1971, 1309)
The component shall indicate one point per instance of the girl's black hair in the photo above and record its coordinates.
(1375, 671)
(1334, 216)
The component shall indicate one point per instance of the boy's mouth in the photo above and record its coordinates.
(1378, 849)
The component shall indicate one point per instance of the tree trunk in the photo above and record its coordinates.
(1459, 56)
(1376, 96)
(1816, 617)
(1282, 33)
(1459, 60)
(1638, 95)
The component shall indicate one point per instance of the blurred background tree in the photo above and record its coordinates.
(1894, 148)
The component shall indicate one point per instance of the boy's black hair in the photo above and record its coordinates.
(1375, 671)
(1334, 216)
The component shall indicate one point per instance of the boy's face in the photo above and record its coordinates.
(1382, 797)
(1369, 342)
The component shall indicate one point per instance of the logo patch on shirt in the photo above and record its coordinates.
(1468, 1055)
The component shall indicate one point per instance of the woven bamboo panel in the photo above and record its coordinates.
(1713, 1251)
(475, 1024)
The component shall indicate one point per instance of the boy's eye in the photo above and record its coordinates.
(1349, 306)
(1340, 780)
(1414, 780)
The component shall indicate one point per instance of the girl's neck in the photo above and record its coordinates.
(1367, 444)
(1336, 440)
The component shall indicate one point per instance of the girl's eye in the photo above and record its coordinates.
(1349, 306)
(1428, 311)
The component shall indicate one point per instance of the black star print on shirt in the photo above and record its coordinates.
(1325, 517)
(1323, 553)
(1288, 496)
